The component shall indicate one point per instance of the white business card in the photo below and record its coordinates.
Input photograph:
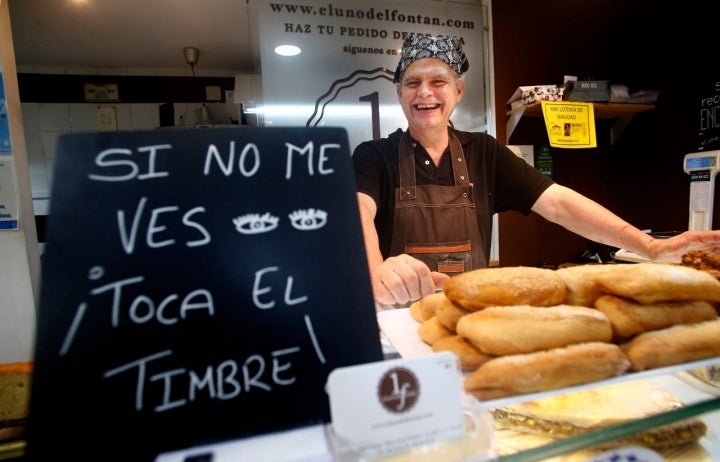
(388, 407)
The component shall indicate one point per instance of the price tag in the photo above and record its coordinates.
(392, 406)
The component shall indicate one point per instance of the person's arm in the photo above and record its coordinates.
(398, 280)
(591, 220)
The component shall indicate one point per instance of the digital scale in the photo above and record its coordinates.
(702, 168)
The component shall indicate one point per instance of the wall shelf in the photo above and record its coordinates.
(623, 112)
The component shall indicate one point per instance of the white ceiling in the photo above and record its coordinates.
(134, 33)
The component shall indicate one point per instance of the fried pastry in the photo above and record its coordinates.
(506, 330)
(469, 356)
(655, 282)
(504, 286)
(674, 345)
(424, 309)
(582, 288)
(546, 370)
(431, 331)
(629, 317)
(449, 313)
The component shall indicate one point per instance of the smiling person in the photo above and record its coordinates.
(427, 195)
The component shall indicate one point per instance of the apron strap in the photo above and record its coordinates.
(459, 165)
(407, 169)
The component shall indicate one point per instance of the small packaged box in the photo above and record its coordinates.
(588, 90)
(532, 93)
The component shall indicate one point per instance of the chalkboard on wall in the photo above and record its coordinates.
(708, 119)
(199, 285)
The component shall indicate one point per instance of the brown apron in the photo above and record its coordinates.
(437, 224)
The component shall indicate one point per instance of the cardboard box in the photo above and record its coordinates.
(533, 93)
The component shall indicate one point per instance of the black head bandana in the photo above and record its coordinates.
(448, 49)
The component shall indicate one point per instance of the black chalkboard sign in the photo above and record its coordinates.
(199, 286)
(708, 118)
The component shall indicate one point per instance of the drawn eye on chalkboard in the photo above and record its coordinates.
(254, 223)
(308, 220)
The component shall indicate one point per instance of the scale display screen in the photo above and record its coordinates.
(699, 162)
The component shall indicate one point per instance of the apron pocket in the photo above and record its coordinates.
(450, 257)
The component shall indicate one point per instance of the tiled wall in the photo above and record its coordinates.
(44, 122)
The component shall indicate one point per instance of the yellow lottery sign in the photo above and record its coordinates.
(569, 124)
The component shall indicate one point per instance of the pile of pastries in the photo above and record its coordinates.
(524, 329)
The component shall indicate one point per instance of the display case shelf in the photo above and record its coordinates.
(589, 439)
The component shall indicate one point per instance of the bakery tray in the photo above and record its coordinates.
(709, 387)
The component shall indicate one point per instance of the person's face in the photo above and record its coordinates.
(428, 93)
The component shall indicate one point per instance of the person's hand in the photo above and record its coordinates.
(672, 249)
(402, 279)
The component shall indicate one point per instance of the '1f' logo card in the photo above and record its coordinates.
(391, 406)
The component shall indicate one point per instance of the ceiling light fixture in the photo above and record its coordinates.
(287, 50)
(192, 55)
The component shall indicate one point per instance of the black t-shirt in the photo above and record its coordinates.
(501, 180)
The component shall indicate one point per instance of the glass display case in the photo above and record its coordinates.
(690, 383)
